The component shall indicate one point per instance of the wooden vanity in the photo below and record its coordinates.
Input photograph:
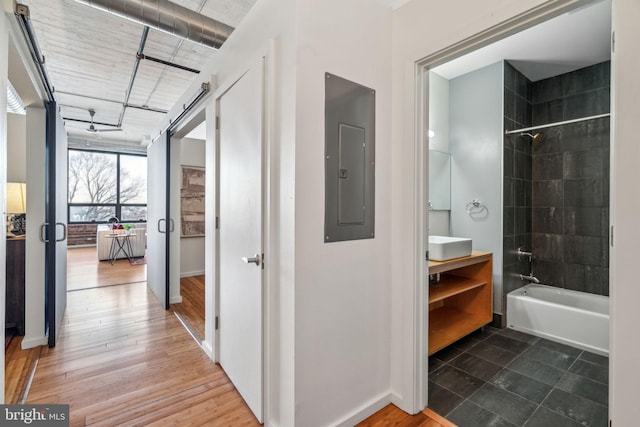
(462, 301)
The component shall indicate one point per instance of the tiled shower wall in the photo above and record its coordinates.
(556, 192)
(517, 178)
(570, 176)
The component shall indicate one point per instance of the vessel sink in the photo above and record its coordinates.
(443, 248)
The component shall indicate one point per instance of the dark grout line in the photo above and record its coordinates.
(575, 360)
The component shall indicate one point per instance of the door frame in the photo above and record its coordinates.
(169, 224)
(50, 225)
(53, 287)
(267, 60)
(189, 122)
(419, 111)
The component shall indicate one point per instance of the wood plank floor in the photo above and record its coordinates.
(85, 271)
(191, 309)
(391, 415)
(18, 368)
(123, 360)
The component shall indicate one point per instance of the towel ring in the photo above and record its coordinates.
(472, 206)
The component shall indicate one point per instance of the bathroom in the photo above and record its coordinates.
(537, 198)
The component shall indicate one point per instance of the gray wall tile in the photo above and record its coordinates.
(547, 220)
(563, 181)
(548, 246)
(547, 193)
(586, 221)
(586, 192)
(547, 166)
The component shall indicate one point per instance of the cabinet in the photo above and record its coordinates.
(14, 312)
(461, 301)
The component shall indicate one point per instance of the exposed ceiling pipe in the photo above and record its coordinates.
(113, 101)
(168, 63)
(136, 65)
(169, 17)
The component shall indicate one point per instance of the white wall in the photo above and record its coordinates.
(17, 147)
(476, 163)
(34, 262)
(192, 153)
(420, 29)
(342, 289)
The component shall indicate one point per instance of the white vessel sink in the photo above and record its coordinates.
(442, 248)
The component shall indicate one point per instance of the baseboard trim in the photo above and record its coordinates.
(34, 342)
(191, 273)
(175, 299)
(208, 350)
(398, 401)
(365, 411)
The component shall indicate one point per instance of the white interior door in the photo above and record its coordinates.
(156, 218)
(240, 252)
(61, 221)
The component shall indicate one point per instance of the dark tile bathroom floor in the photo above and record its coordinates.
(505, 378)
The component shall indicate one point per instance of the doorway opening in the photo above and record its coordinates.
(539, 205)
(107, 231)
(190, 176)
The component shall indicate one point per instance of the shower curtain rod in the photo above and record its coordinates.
(566, 122)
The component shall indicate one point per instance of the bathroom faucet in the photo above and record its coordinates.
(530, 278)
(522, 253)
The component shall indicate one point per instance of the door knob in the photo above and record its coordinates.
(255, 259)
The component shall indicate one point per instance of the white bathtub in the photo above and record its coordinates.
(570, 317)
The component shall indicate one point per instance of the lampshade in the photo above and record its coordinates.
(14, 102)
(16, 197)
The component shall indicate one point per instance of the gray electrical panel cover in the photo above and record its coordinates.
(349, 115)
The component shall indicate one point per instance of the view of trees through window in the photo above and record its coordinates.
(105, 185)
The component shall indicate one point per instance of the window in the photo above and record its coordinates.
(103, 185)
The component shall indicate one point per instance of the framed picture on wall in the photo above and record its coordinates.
(192, 201)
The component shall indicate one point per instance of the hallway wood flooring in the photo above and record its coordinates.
(19, 366)
(123, 360)
(391, 415)
(191, 309)
(85, 271)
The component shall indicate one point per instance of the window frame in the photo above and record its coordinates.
(118, 206)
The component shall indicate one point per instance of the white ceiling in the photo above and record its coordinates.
(566, 43)
(90, 56)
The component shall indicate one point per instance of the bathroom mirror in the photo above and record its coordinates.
(439, 180)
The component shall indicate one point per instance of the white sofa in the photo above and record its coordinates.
(138, 242)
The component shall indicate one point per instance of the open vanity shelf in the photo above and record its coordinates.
(461, 302)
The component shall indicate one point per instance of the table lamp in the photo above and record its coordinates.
(16, 207)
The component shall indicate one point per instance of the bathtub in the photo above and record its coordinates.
(570, 317)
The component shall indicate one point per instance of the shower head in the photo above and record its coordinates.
(535, 138)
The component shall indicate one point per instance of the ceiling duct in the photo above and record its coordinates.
(168, 17)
